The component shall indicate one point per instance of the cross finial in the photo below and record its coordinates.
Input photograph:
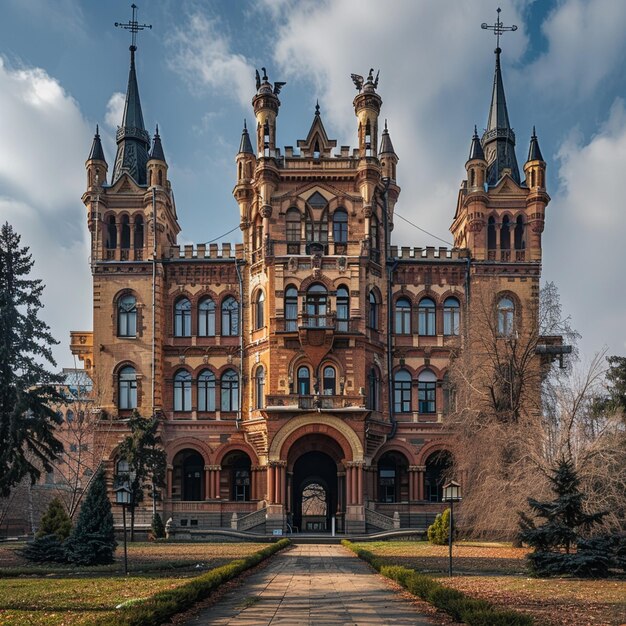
(498, 29)
(134, 27)
(317, 107)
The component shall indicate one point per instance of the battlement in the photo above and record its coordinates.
(430, 253)
(204, 251)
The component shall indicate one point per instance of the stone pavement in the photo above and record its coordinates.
(322, 585)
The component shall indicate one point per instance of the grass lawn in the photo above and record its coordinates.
(71, 596)
(497, 573)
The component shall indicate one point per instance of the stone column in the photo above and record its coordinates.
(207, 482)
(270, 484)
(359, 483)
(217, 474)
(420, 473)
(282, 481)
(170, 478)
(341, 481)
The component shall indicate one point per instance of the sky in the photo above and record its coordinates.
(64, 69)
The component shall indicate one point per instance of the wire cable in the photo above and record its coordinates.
(448, 243)
(224, 235)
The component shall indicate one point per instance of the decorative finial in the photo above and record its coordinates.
(156, 133)
(534, 134)
(358, 80)
(134, 27)
(386, 125)
(265, 79)
(98, 130)
(475, 131)
(498, 29)
(317, 107)
(245, 125)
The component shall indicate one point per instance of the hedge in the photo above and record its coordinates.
(161, 606)
(459, 606)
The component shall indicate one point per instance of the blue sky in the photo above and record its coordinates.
(64, 66)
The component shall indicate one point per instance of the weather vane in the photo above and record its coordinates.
(498, 28)
(133, 26)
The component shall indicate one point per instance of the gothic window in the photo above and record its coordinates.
(259, 310)
(368, 139)
(316, 306)
(230, 317)
(343, 309)
(316, 150)
(259, 386)
(206, 391)
(138, 232)
(111, 233)
(340, 226)
(374, 235)
(520, 244)
(373, 389)
(182, 318)
(451, 316)
(491, 233)
(125, 234)
(505, 235)
(266, 140)
(506, 316)
(403, 317)
(426, 392)
(316, 232)
(426, 317)
(127, 316)
(206, 318)
(230, 391)
(372, 317)
(304, 381)
(127, 388)
(402, 392)
(294, 233)
(329, 381)
(291, 308)
(182, 391)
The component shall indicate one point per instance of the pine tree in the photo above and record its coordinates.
(92, 541)
(54, 529)
(26, 388)
(55, 521)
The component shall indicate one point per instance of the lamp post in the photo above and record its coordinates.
(122, 496)
(451, 494)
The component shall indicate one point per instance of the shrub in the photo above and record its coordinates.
(439, 531)
(449, 600)
(46, 549)
(55, 521)
(421, 586)
(494, 617)
(158, 529)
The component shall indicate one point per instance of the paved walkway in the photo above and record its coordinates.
(322, 585)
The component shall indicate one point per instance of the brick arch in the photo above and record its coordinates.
(433, 446)
(239, 446)
(397, 446)
(315, 423)
(311, 280)
(435, 370)
(188, 443)
(451, 293)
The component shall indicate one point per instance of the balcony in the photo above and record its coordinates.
(322, 322)
(297, 402)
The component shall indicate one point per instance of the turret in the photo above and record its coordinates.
(246, 163)
(157, 165)
(387, 156)
(537, 200)
(96, 164)
(367, 109)
(266, 105)
(476, 166)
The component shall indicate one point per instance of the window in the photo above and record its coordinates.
(291, 308)
(506, 316)
(206, 318)
(304, 381)
(373, 390)
(125, 233)
(491, 233)
(451, 316)
(206, 391)
(340, 226)
(111, 233)
(259, 310)
(127, 316)
(372, 318)
(230, 317)
(403, 317)
(230, 391)
(182, 318)
(520, 244)
(392, 476)
(259, 388)
(69, 416)
(343, 309)
(402, 392)
(374, 238)
(426, 317)
(505, 234)
(426, 392)
(138, 232)
(182, 391)
(328, 382)
(127, 388)
(316, 306)
(294, 233)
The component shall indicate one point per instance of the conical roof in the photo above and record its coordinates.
(96, 153)
(476, 149)
(534, 152)
(157, 148)
(245, 145)
(385, 142)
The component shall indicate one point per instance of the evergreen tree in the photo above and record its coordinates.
(26, 387)
(615, 399)
(158, 528)
(55, 521)
(92, 541)
(439, 531)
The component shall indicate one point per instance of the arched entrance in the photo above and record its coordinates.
(188, 476)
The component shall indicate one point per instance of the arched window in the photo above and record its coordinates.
(294, 232)
(138, 232)
(340, 226)
(127, 316)
(125, 234)
(343, 309)
(266, 140)
(259, 310)
(491, 233)
(505, 235)
(206, 391)
(182, 318)
(402, 391)
(426, 392)
(368, 139)
(372, 317)
(236, 467)
(206, 318)
(316, 306)
(403, 317)
(506, 316)
(230, 317)
(127, 388)
(259, 386)
(520, 244)
(304, 381)
(392, 477)
(451, 316)
(329, 380)
(111, 233)
(291, 308)
(373, 389)
(182, 391)
(426, 317)
(230, 391)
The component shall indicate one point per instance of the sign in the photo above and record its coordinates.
(277, 532)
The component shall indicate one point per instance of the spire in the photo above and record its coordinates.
(385, 143)
(245, 145)
(476, 149)
(157, 148)
(534, 152)
(96, 153)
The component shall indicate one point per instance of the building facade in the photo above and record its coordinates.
(301, 375)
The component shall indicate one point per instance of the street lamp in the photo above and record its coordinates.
(451, 494)
(122, 496)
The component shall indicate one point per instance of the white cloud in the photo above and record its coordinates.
(44, 142)
(202, 54)
(115, 110)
